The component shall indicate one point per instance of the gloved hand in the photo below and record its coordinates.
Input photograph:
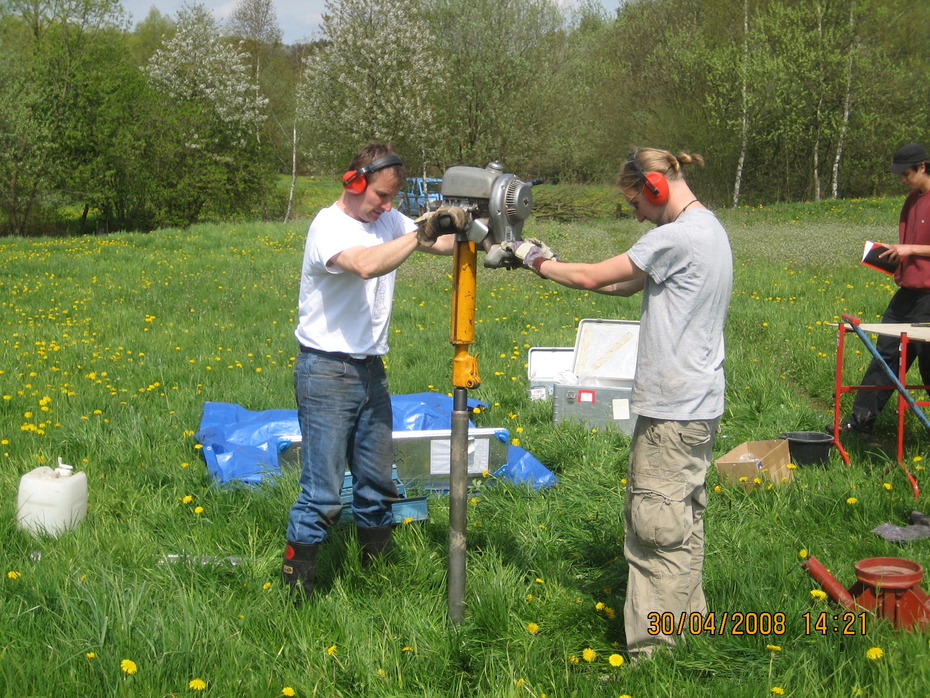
(443, 221)
(531, 251)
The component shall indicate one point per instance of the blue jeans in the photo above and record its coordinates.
(346, 420)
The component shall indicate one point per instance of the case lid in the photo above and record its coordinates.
(605, 350)
(548, 363)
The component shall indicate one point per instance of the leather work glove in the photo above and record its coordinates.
(531, 251)
(445, 220)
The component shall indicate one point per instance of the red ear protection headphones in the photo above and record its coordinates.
(356, 181)
(655, 185)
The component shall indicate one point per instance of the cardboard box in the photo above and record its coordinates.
(765, 461)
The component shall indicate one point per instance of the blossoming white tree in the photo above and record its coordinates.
(197, 65)
(213, 110)
(375, 77)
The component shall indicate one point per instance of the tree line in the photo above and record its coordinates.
(180, 119)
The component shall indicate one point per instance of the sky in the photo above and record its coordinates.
(298, 19)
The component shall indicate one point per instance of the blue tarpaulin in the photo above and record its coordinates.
(241, 445)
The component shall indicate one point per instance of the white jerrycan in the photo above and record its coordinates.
(51, 501)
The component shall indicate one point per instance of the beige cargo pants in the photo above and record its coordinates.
(664, 527)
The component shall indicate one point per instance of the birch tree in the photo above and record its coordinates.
(256, 23)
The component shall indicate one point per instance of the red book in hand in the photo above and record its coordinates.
(870, 257)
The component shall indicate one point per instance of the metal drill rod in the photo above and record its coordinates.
(464, 376)
(458, 493)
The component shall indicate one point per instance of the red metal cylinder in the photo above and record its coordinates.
(829, 583)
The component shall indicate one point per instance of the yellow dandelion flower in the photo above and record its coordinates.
(533, 628)
(778, 690)
(406, 648)
(852, 500)
(198, 510)
(718, 488)
(197, 684)
(573, 659)
(802, 553)
(539, 581)
(874, 653)
(128, 666)
(13, 574)
(288, 691)
(615, 660)
(744, 479)
(588, 654)
(521, 683)
(407, 520)
(332, 650)
(187, 499)
(773, 648)
(91, 655)
(819, 594)
(917, 459)
(887, 486)
(382, 674)
(599, 606)
(266, 586)
(529, 598)
(792, 466)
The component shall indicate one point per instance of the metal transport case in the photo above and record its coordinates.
(423, 457)
(604, 363)
(544, 367)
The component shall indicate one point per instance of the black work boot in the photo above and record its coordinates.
(299, 568)
(375, 541)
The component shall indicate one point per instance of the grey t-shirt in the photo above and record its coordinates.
(679, 367)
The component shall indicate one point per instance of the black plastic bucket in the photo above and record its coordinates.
(808, 447)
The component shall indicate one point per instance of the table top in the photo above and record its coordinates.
(917, 333)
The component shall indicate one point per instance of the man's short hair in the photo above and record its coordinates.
(372, 152)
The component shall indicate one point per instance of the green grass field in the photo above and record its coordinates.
(111, 346)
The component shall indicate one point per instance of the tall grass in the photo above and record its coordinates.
(112, 345)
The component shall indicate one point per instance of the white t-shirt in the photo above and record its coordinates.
(340, 311)
(679, 365)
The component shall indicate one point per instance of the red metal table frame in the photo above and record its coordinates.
(907, 333)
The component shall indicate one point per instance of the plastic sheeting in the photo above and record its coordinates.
(241, 445)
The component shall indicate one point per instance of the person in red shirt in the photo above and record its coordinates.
(911, 302)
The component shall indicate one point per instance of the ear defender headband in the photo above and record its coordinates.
(655, 185)
(356, 181)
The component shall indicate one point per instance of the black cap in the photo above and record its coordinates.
(907, 156)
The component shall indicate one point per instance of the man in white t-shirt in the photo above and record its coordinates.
(684, 267)
(343, 402)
